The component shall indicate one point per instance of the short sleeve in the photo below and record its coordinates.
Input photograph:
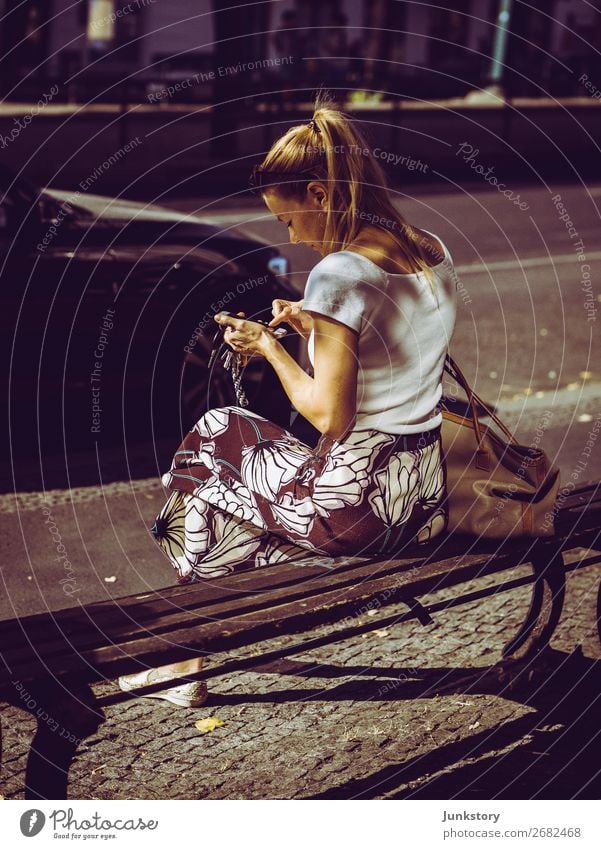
(335, 289)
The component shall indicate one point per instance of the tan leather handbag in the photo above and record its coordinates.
(495, 488)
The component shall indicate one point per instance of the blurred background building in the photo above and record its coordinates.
(115, 50)
(202, 87)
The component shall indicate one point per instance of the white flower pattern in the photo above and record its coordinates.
(196, 525)
(282, 500)
(435, 525)
(397, 489)
(431, 485)
(235, 542)
(347, 470)
(279, 551)
(214, 422)
(181, 530)
(296, 516)
(231, 497)
(205, 456)
(269, 465)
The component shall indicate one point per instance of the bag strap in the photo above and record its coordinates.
(473, 399)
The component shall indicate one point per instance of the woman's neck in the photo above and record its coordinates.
(383, 249)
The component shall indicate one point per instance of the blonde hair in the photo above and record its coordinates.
(331, 149)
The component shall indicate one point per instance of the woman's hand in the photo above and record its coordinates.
(246, 337)
(293, 314)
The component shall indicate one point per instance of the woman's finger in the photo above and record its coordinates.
(278, 305)
(227, 320)
(282, 315)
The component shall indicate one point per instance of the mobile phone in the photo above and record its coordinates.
(278, 331)
(218, 342)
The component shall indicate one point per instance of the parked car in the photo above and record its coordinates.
(106, 313)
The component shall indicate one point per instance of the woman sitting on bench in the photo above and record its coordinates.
(378, 313)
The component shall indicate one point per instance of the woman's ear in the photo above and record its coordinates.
(317, 194)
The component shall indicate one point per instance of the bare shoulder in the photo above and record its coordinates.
(432, 249)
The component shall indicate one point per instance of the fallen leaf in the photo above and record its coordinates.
(96, 768)
(208, 724)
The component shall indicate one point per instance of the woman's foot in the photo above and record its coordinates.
(192, 694)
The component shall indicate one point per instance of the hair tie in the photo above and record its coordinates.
(313, 126)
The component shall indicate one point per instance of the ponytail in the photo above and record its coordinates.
(331, 149)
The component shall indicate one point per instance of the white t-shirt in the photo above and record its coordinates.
(404, 331)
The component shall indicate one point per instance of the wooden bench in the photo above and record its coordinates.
(50, 660)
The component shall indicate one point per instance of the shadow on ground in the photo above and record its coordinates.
(551, 753)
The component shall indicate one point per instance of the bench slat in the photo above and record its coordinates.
(92, 625)
(57, 633)
(239, 583)
(121, 610)
(117, 613)
(256, 625)
(129, 610)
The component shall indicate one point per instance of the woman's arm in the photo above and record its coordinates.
(328, 400)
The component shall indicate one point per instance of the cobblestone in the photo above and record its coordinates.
(369, 717)
(17, 502)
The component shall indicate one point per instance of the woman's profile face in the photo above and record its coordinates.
(305, 219)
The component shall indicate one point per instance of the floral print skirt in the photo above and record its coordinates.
(247, 494)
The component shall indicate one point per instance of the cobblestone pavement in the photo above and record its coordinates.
(400, 712)
(15, 502)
